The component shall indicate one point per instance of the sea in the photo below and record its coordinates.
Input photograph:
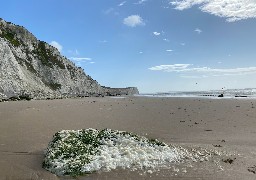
(216, 94)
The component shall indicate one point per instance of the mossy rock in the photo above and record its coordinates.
(11, 38)
(46, 56)
(54, 86)
(72, 152)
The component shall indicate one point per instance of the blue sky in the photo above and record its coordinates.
(156, 45)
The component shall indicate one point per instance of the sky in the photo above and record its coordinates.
(155, 45)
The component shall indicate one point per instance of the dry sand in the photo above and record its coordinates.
(228, 125)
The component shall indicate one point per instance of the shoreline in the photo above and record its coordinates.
(165, 95)
(26, 128)
(199, 96)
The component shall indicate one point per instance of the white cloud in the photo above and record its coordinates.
(103, 41)
(111, 11)
(203, 71)
(108, 11)
(156, 33)
(77, 52)
(80, 59)
(122, 3)
(133, 21)
(141, 52)
(232, 10)
(141, 2)
(56, 45)
(74, 52)
(199, 31)
(170, 68)
(193, 77)
(169, 50)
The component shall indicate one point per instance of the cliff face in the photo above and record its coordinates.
(35, 68)
(28, 65)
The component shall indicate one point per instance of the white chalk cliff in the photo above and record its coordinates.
(33, 67)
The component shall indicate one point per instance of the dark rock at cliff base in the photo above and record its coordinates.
(120, 91)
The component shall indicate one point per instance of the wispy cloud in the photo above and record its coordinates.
(199, 31)
(56, 45)
(74, 52)
(170, 68)
(133, 21)
(103, 41)
(141, 2)
(169, 50)
(232, 10)
(193, 76)
(80, 59)
(108, 11)
(189, 70)
(156, 33)
(111, 11)
(122, 3)
(166, 40)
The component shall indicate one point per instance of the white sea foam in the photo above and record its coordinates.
(127, 152)
(117, 97)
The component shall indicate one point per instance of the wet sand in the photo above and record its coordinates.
(227, 125)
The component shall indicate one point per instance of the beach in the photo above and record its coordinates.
(225, 125)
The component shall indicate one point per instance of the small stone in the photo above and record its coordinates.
(150, 171)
